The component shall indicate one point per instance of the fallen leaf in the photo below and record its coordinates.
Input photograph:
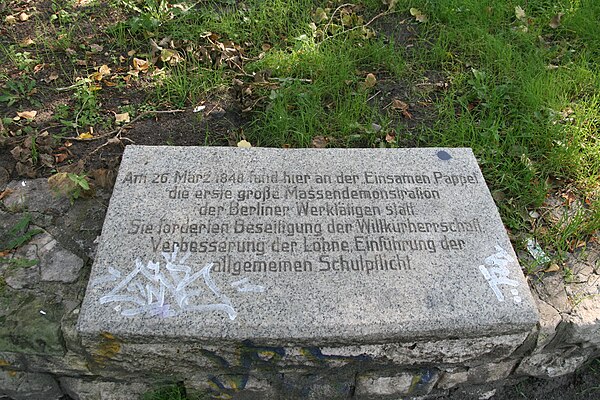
(519, 13)
(96, 76)
(5, 193)
(96, 48)
(370, 81)
(319, 142)
(130, 53)
(23, 17)
(555, 21)
(104, 70)
(10, 20)
(419, 16)
(140, 65)
(390, 137)
(61, 184)
(27, 114)
(26, 42)
(60, 157)
(122, 118)
(170, 56)
(244, 144)
(552, 268)
(85, 135)
(38, 68)
(266, 47)
(104, 178)
(402, 107)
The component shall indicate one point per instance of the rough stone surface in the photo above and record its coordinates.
(28, 386)
(398, 385)
(554, 364)
(549, 321)
(83, 389)
(270, 259)
(55, 263)
(34, 195)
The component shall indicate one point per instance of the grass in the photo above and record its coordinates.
(524, 95)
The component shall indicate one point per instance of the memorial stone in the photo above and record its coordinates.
(308, 247)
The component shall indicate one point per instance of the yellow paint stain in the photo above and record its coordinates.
(266, 354)
(3, 363)
(108, 336)
(108, 347)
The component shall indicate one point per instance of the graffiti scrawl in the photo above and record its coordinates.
(496, 273)
(156, 290)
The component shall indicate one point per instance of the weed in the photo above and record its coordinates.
(170, 392)
(19, 234)
(14, 263)
(17, 90)
(69, 185)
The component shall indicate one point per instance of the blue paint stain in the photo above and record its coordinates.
(427, 376)
(443, 155)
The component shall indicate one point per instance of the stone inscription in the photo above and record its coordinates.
(306, 222)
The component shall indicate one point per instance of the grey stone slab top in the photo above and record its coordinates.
(304, 246)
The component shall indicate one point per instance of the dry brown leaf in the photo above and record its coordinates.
(370, 81)
(319, 142)
(60, 157)
(10, 20)
(390, 137)
(23, 17)
(5, 193)
(27, 114)
(104, 178)
(53, 76)
(552, 268)
(96, 48)
(140, 65)
(402, 107)
(130, 53)
(244, 144)
(104, 70)
(26, 42)
(122, 118)
(555, 21)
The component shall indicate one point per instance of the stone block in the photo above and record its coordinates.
(307, 247)
(488, 372)
(34, 195)
(384, 385)
(28, 386)
(555, 363)
(86, 389)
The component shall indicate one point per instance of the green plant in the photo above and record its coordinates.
(169, 392)
(17, 90)
(69, 185)
(19, 234)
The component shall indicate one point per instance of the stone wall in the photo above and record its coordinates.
(43, 357)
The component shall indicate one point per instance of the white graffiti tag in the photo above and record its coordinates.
(149, 289)
(496, 273)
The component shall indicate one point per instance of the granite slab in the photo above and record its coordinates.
(304, 246)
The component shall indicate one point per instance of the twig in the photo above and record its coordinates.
(375, 95)
(328, 24)
(118, 131)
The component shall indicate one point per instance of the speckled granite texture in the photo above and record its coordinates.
(319, 246)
